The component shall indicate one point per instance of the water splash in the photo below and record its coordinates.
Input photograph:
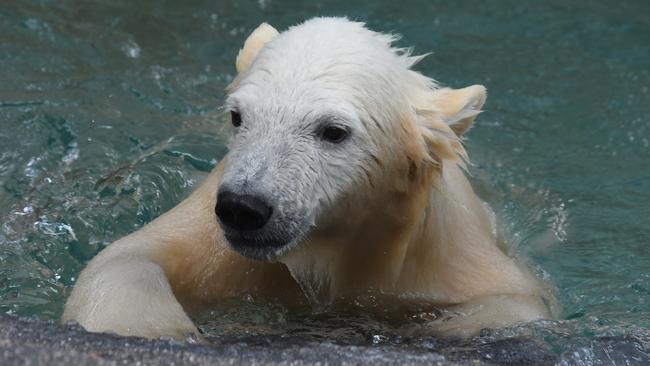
(131, 49)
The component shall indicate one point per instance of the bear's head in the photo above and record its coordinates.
(332, 129)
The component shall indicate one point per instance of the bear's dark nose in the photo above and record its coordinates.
(242, 212)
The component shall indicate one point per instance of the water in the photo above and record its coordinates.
(110, 116)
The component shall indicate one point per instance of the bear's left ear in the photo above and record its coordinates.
(262, 35)
(459, 107)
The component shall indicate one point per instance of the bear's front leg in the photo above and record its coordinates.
(128, 296)
(133, 287)
(136, 285)
(492, 312)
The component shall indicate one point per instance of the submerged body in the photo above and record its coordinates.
(345, 176)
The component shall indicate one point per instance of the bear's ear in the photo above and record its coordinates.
(254, 43)
(459, 107)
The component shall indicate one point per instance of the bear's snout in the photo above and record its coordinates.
(242, 212)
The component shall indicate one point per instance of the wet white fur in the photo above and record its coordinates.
(388, 211)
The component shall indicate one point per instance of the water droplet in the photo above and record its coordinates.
(131, 49)
(192, 338)
(264, 4)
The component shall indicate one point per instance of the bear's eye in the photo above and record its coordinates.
(334, 134)
(235, 118)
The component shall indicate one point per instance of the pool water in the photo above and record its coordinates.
(109, 116)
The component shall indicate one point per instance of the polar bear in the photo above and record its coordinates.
(345, 176)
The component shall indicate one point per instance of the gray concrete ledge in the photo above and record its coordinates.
(28, 341)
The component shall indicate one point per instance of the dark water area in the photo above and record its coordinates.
(110, 115)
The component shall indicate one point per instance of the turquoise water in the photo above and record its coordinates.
(109, 115)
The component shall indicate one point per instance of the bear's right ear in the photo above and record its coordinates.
(448, 115)
(254, 43)
(459, 107)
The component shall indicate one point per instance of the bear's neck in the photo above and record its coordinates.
(434, 245)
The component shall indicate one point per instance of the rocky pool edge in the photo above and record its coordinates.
(31, 341)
